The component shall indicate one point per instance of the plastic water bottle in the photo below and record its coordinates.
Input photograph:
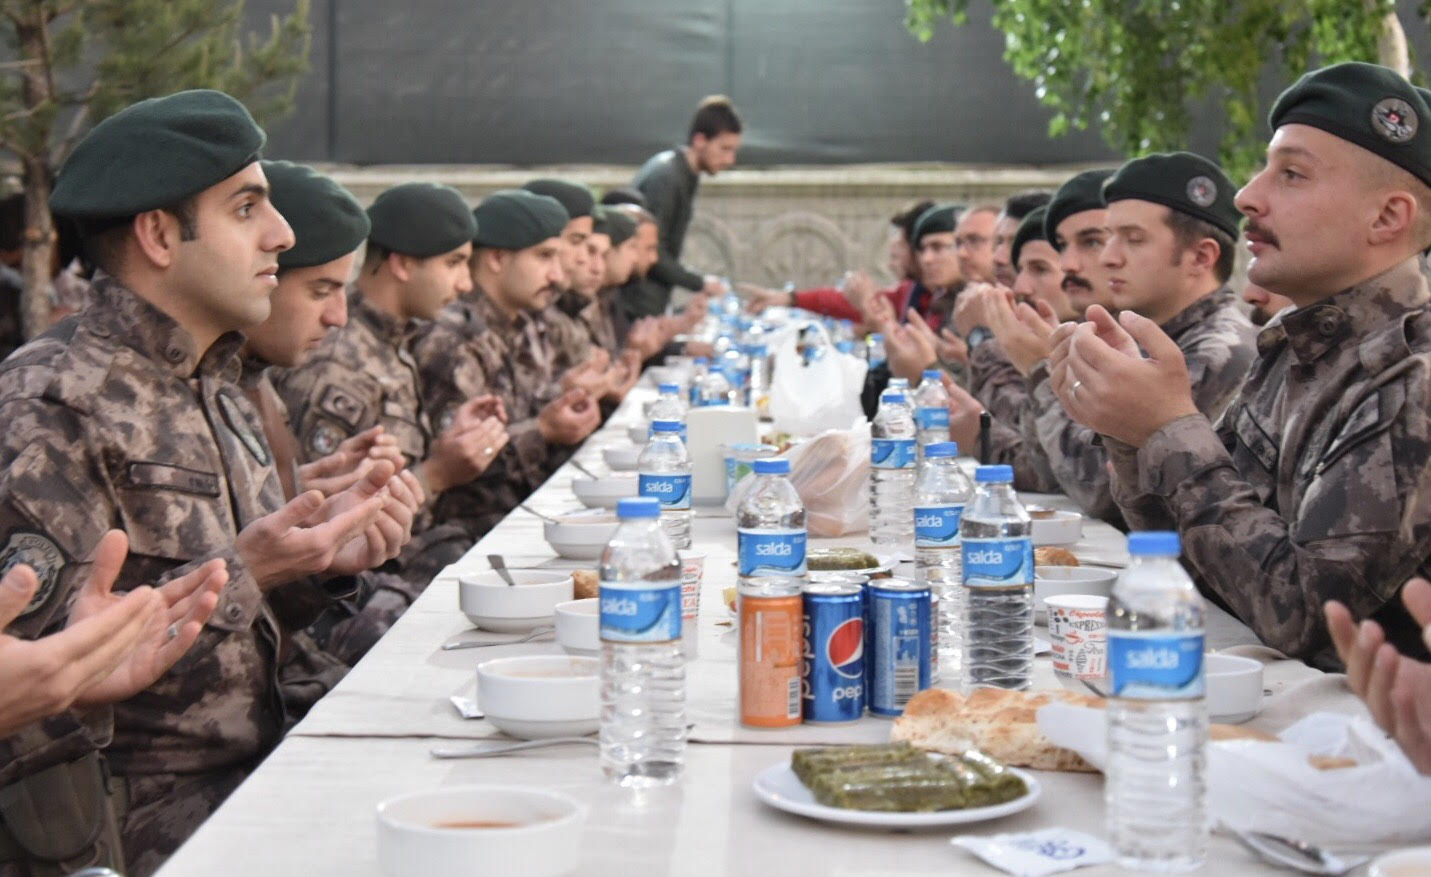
(736, 366)
(668, 406)
(770, 527)
(892, 473)
(846, 347)
(998, 584)
(758, 354)
(700, 365)
(643, 668)
(897, 386)
(941, 493)
(931, 410)
(713, 389)
(1156, 789)
(664, 474)
(874, 349)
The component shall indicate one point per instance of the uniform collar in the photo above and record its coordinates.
(385, 327)
(1198, 311)
(1353, 313)
(494, 317)
(123, 315)
(251, 371)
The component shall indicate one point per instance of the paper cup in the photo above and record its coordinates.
(693, 565)
(1078, 632)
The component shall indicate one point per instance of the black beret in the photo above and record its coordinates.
(1083, 192)
(328, 222)
(576, 198)
(1030, 229)
(1365, 104)
(1182, 181)
(155, 154)
(421, 220)
(514, 219)
(939, 218)
(617, 225)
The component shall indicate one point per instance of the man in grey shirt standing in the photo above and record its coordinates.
(668, 180)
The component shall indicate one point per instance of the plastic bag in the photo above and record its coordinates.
(831, 473)
(825, 394)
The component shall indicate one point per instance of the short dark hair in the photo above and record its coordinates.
(905, 219)
(715, 115)
(1188, 230)
(1021, 204)
(12, 222)
(103, 242)
(624, 195)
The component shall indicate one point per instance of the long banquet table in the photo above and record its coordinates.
(309, 808)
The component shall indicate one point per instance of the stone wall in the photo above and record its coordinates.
(806, 225)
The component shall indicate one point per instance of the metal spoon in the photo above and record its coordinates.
(531, 511)
(504, 748)
(473, 644)
(1297, 854)
(499, 564)
(582, 469)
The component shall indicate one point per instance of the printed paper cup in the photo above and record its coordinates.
(1078, 632)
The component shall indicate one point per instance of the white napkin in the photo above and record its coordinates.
(1264, 786)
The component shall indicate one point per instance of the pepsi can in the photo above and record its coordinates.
(832, 667)
(898, 644)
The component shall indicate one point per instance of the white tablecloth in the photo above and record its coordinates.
(309, 808)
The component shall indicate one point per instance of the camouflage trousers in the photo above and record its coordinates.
(166, 809)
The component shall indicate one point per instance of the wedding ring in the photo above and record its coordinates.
(1074, 391)
(172, 632)
(487, 451)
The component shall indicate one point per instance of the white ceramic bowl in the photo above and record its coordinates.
(535, 696)
(622, 458)
(1062, 528)
(1234, 688)
(667, 374)
(545, 842)
(1050, 581)
(492, 604)
(603, 493)
(639, 433)
(1410, 862)
(578, 626)
(580, 535)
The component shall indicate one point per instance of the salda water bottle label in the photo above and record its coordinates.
(937, 526)
(892, 453)
(771, 552)
(1155, 665)
(640, 615)
(998, 563)
(674, 491)
(932, 418)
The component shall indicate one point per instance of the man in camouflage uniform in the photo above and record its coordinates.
(1312, 486)
(126, 416)
(364, 376)
(487, 342)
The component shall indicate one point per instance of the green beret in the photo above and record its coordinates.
(421, 220)
(939, 218)
(155, 154)
(1185, 182)
(1083, 192)
(1365, 104)
(328, 222)
(617, 225)
(514, 219)
(1030, 229)
(576, 198)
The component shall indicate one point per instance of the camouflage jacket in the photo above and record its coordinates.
(569, 338)
(1003, 392)
(474, 348)
(1310, 488)
(115, 420)
(1216, 339)
(363, 375)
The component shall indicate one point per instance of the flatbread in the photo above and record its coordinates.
(1002, 724)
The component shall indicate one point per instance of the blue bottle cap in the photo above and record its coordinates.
(899, 383)
(941, 449)
(702, 360)
(668, 388)
(771, 466)
(897, 398)
(665, 426)
(1155, 543)
(932, 374)
(994, 474)
(845, 346)
(638, 507)
(877, 337)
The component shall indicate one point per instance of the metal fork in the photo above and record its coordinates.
(1297, 854)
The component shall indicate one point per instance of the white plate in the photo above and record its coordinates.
(887, 563)
(778, 786)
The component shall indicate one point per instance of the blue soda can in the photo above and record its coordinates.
(898, 644)
(832, 666)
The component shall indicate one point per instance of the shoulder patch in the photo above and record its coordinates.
(341, 404)
(323, 438)
(41, 555)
